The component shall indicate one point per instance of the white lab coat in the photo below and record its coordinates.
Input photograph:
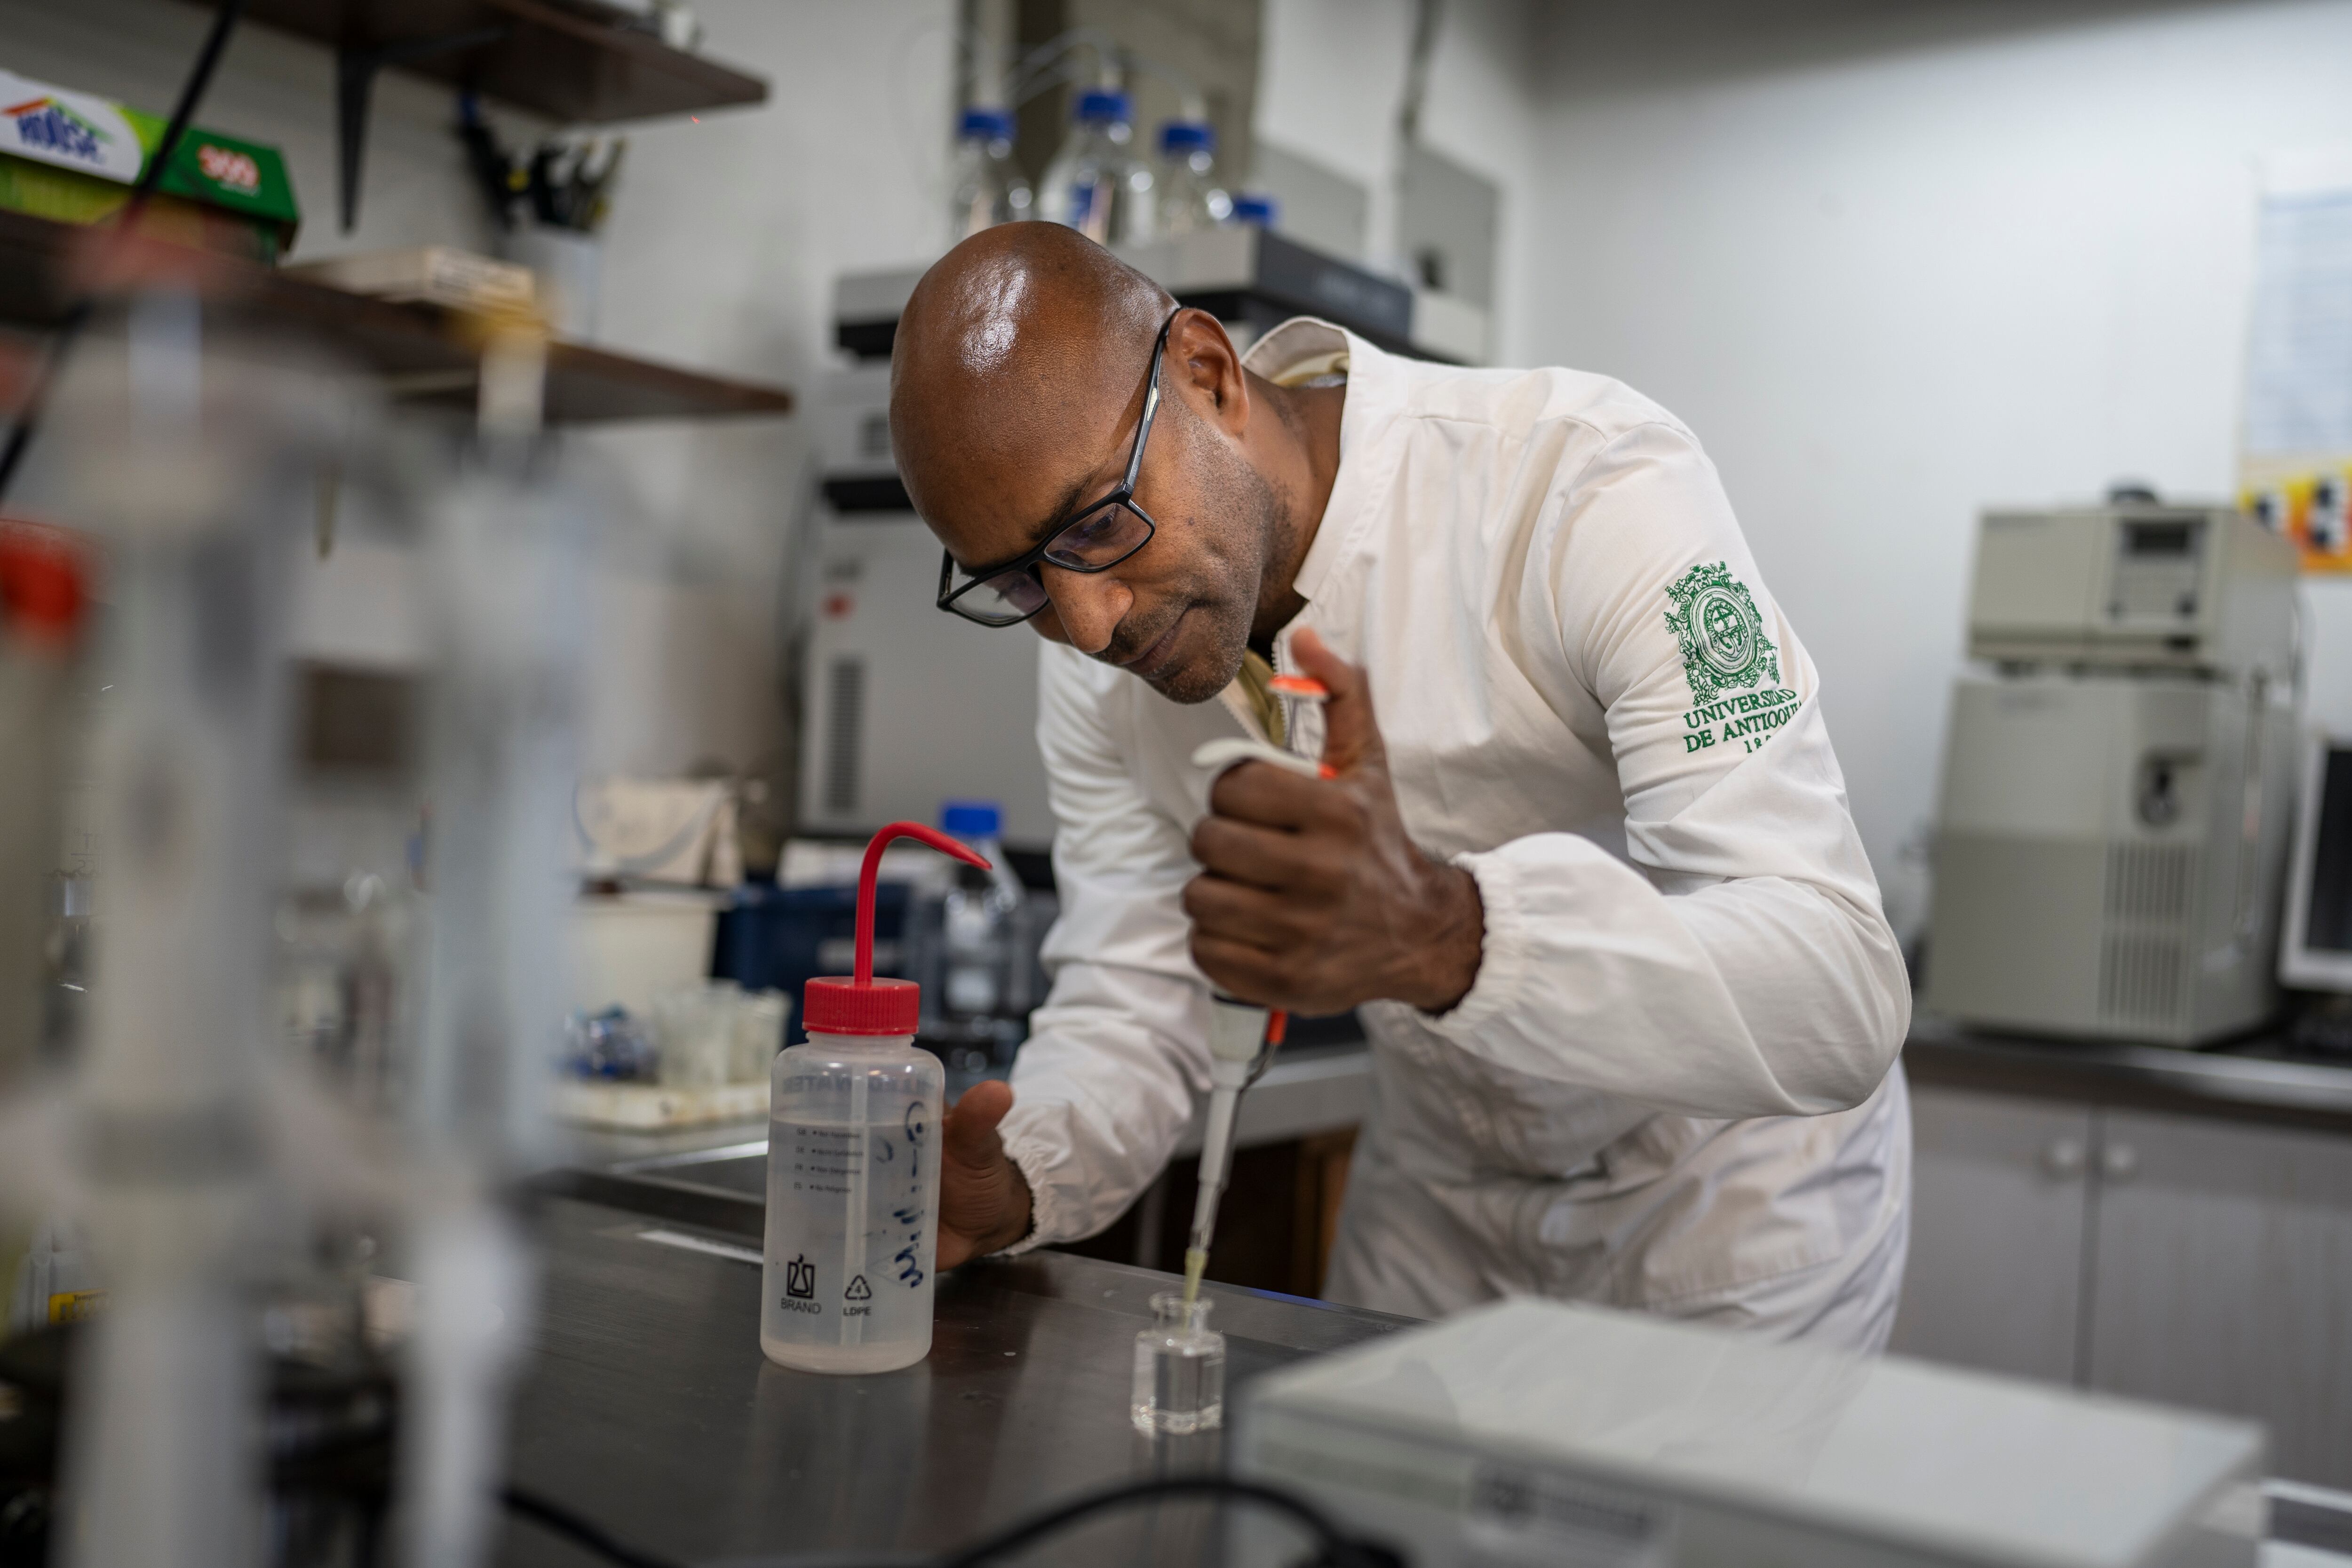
(1673, 1084)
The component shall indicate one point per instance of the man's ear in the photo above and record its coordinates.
(1204, 358)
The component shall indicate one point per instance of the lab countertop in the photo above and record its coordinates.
(2254, 1080)
(647, 1407)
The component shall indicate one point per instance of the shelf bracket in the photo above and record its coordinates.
(355, 70)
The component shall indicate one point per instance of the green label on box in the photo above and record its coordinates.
(112, 141)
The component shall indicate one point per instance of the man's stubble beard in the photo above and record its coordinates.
(1256, 516)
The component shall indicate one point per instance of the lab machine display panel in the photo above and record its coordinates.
(2317, 948)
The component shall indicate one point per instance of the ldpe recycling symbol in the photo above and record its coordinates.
(800, 1279)
(857, 1290)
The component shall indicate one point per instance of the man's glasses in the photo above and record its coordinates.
(1105, 533)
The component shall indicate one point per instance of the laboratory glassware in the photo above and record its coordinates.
(854, 1165)
(1257, 211)
(1095, 183)
(694, 1030)
(976, 952)
(1189, 197)
(1180, 1369)
(986, 186)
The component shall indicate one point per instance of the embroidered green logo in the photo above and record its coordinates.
(1722, 636)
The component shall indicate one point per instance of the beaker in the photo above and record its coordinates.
(1180, 1369)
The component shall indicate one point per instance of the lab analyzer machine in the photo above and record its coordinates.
(1530, 1431)
(2118, 776)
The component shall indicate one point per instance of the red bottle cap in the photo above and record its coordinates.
(42, 592)
(861, 1005)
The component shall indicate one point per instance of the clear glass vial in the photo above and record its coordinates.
(1180, 1369)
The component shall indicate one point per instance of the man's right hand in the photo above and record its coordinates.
(983, 1197)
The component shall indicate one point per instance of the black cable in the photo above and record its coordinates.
(1336, 1550)
(582, 1532)
(77, 316)
(1339, 1551)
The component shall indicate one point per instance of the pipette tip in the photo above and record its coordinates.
(1196, 1259)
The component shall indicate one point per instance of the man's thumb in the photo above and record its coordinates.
(972, 1122)
(1352, 738)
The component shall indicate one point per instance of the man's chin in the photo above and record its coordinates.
(1196, 680)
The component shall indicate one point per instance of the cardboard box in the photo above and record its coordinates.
(72, 157)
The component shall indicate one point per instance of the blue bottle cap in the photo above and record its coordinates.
(971, 818)
(1261, 210)
(985, 125)
(1102, 106)
(1188, 136)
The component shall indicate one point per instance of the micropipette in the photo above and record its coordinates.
(1238, 1031)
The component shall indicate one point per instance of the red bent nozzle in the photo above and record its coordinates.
(873, 865)
(859, 1004)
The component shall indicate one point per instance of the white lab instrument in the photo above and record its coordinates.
(1180, 1369)
(854, 1165)
(1536, 1432)
(2117, 791)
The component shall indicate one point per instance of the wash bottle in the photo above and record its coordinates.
(854, 1165)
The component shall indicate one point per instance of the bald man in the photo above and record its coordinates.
(1582, 861)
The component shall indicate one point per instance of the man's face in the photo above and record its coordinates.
(1178, 612)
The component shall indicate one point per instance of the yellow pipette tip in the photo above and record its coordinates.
(1196, 1259)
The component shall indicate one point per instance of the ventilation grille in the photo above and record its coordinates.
(2148, 884)
(844, 735)
(2139, 978)
(2143, 962)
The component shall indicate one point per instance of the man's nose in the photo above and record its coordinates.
(1088, 604)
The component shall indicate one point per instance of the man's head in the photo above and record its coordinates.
(1016, 388)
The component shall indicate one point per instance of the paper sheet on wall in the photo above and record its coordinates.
(2295, 450)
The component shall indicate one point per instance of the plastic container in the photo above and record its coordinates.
(853, 1167)
(627, 947)
(1189, 197)
(1180, 1369)
(1095, 184)
(781, 938)
(974, 938)
(694, 1032)
(986, 187)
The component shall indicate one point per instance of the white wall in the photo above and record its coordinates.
(721, 253)
(1892, 273)
(1330, 83)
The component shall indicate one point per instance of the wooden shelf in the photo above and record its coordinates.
(568, 62)
(424, 353)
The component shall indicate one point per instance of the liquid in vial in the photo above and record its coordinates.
(1180, 1369)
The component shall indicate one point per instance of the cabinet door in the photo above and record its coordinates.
(1997, 1233)
(2223, 1278)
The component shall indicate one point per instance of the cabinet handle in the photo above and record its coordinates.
(2119, 1161)
(2064, 1157)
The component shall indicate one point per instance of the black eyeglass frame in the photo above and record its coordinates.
(1122, 496)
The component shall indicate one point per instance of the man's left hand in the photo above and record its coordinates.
(1313, 898)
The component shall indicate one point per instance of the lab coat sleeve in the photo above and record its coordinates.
(1740, 963)
(1104, 1087)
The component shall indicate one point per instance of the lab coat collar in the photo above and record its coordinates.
(1376, 391)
